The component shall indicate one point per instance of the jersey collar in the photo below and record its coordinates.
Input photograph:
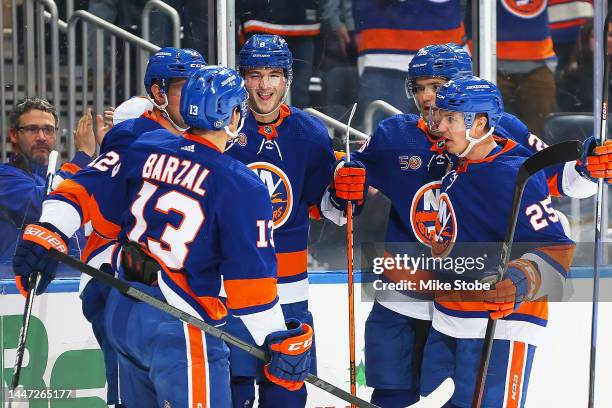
(269, 129)
(434, 142)
(201, 140)
(506, 144)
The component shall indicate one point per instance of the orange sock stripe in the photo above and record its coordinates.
(515, 375)
(199, 374)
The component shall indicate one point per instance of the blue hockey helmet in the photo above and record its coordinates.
(266, 51)
(471, 95)
(448, 61)
(210, 96)
(168, 63)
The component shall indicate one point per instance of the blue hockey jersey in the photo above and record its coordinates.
(474, 207)
(85, 196)
(406, 164)
(294, 158)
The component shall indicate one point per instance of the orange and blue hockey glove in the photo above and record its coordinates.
(348, 184)
(596, 161)
(289, 355)
(31, 256)
(522, 282)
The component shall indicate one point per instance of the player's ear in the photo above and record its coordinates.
(480, 123)
(235, 121)
(158, 95)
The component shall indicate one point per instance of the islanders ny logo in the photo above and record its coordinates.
(445, 229)
(424, 210)
(279, 187)
(525, 8)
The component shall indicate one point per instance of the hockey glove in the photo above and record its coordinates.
(31, 256)
(521, 283)
(348, 184)
(596, 161)
(289, 355)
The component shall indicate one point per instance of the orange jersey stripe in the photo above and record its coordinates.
(515, 375)
(242, 293)
(70, 168)
(407, 275)
(198, 367)
(552, 186)
(292, 263)
(525, 50)
(562, 254)
(89, 208)
(94, 242)
(314, 213)
(469, 302)
(339, 155)
(211, 304)
(410, 40)
(256, 28)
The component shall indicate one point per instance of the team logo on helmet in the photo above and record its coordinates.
(525, 8)
(242, 139)
(218, 124)
(279, 187)
(445, 228)
(423, 212)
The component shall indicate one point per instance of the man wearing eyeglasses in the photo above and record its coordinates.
(33, 125)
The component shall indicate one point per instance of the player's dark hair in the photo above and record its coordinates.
(28, 104)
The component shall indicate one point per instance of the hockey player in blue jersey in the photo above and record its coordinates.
(292, 154)
(164, 77)
(188, 210)
(473, 207)
(405, 161)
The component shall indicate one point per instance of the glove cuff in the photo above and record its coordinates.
(530, 272)
(47, 236)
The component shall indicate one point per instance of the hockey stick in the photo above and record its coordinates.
(555, 154)
(27, 311)
(603, 130)
(349, 268)
(125, 288)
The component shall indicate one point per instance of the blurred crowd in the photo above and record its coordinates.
(358, 50)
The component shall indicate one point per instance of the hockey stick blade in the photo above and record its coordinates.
(125, 288)
(555, 154)
(438, 397)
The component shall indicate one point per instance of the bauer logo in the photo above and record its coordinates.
(279, 187)
(525, 8)
(423, 212)
(445, 228)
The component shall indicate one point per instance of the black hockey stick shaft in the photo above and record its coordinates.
(598, 216)
(27, 310)
(125, 288)
(559, 153)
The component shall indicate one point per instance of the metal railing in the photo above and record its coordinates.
(375, 106)
(102, 27)
(167, 10)
(336, 124)
(33, 78)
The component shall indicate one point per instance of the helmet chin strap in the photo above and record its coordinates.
(162, 109)
(473, 141)
(232, 136)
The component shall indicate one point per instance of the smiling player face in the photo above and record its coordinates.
(266, 87)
